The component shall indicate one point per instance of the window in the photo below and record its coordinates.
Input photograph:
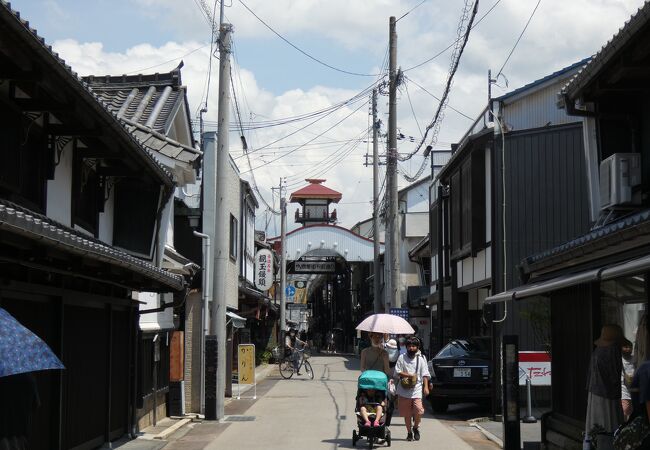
(233, 237)
(87, 193)
(467, 191)
(23, 158)
(623, 302)
(136, 207)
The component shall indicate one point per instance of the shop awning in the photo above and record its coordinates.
(627, 268)
(237, 321)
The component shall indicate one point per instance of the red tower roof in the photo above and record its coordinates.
(315, 190)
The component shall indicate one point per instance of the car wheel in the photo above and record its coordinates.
(439, 406)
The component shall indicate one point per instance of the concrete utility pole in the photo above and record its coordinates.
(221, 243)
(283, 267)
(391, 171)
(375, 201)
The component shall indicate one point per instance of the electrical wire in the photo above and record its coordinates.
(321, 134)
(519, 38)
(437, 98)
(168, 61)
(455, 61)
(453, 43)
(415, 117)
(313, 58)
(410, 11)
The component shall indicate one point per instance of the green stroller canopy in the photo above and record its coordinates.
(373, 379)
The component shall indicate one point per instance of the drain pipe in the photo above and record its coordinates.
(204, 311)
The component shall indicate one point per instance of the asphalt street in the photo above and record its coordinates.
(314, 414)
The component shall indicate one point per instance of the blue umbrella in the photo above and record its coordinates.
(21, 350)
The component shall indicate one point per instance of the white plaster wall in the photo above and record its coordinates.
(474, 269)
(416, 224)
(417, 199)
(233, 207)
(59, 190)
(106, 219)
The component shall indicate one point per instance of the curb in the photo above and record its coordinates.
(486, 433)
(165, 433)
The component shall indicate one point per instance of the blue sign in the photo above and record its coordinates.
(290, 290)
(401, 312)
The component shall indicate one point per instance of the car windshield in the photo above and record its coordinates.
(466, 348)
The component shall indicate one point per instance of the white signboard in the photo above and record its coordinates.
(263, 269)
(536, 366)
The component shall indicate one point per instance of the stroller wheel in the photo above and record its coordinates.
(371, 442)
(387, 438)
(355, 438)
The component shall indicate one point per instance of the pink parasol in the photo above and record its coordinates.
(386, 323)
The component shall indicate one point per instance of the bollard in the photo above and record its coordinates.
(529, 406)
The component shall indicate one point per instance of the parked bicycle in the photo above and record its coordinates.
(287, 368)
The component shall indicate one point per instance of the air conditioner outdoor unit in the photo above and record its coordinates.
(618, 175)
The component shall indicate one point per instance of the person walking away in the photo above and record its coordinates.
(627, 375)
(413, 373)
(375, 357)
(604, 411)
(290, 348)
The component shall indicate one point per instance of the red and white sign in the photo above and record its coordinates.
(536, 366)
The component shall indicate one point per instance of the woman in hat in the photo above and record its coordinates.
(375, 357)
(604, 411)
(393, 352)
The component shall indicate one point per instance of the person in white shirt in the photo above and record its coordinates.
(413, 374)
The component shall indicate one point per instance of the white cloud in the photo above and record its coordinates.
(561, 33)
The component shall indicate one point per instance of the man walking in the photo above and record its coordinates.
(413, 373)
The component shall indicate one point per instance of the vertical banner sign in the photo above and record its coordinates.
(263, 269)
(246, 366)
(510, 383)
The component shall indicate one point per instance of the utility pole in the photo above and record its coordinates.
(391, 172)
(375, 200)
(283, 266)
(221, 243)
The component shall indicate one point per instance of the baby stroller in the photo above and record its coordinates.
(377, 382)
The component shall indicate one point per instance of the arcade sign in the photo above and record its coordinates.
(263, 269)
(315, 266)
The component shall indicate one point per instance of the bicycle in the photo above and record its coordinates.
(287, 369)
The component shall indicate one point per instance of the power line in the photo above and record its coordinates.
(410, 10)
(168, 61)
(519, 38)
(437, 98)
(455, 61)
(304, 52)
(329, 129)
(455, 42)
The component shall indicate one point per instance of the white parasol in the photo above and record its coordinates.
(386, 323)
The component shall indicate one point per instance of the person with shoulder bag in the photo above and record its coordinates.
(413, 374)
(635, 433)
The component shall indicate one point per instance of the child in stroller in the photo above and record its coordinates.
(374, 408)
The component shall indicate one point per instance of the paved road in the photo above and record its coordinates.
(314, 414)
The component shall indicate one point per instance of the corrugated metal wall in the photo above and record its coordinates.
(536, 110)
(546, 204)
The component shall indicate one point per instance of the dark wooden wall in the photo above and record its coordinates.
(546, 205)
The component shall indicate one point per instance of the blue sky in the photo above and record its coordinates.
(275, 81)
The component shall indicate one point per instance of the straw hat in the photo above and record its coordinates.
(610, 334)
(392, 343)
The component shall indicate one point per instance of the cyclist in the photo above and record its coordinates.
(291, 342)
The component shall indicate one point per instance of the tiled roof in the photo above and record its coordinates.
(316, 190)
(9, 16)
(621, 229)
(150, 100)
(607, 52)
(36, 226)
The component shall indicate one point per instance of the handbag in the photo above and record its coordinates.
(631, 435)
(408, 382)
